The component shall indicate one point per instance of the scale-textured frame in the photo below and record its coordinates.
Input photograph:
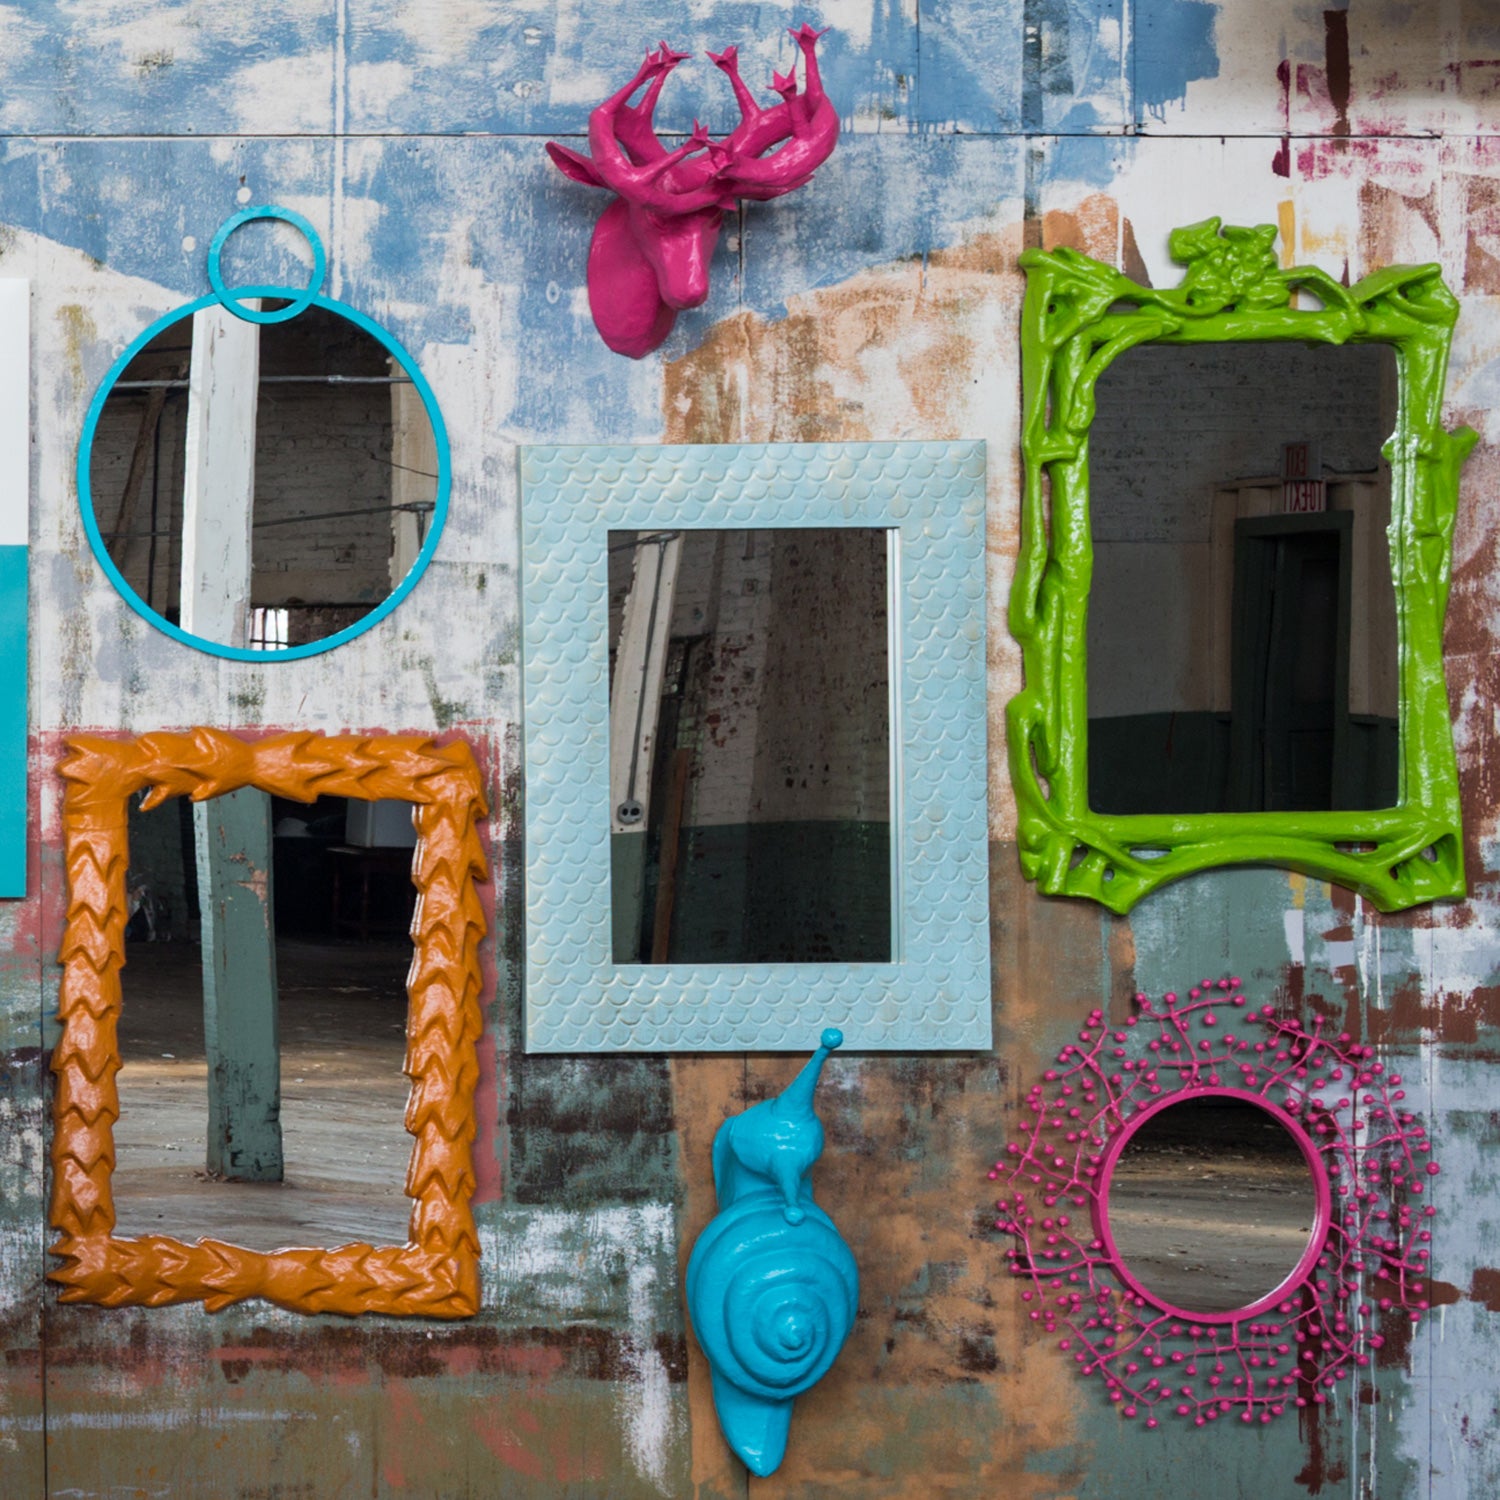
(436, 1274)
(1079, 315)
(1367, 1263)
(936, 992)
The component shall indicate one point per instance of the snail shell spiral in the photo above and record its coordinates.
(771, 1302)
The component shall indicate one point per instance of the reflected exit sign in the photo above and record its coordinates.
(1302, 489)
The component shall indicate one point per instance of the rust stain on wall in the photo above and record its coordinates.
(887, 354)
(342, 1354)
(1482, 236)
(78, 331)
(939, 1320)
(1097, 228)
(1385, 212)
(1336, 58)
(705, 1091)
(920, 350)
(1485, 1288)
(1409, 1013)
(945, 1374)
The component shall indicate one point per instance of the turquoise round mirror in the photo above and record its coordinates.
(264, 473)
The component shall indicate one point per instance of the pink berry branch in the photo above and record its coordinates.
(1157, 1360)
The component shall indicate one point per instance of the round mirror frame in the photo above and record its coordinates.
(1322, 1198)
(1367, 1258)
(299, 298)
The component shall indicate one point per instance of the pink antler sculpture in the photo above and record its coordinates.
(652, 245)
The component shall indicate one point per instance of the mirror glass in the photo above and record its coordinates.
(1242, 644)
(343, 898)
(342, 473)
(750, 746)
(1211, 1204)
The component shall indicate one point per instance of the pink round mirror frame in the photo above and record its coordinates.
(1322, 1193)
(1367, 1255)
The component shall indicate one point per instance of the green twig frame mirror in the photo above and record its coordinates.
(1079, 316)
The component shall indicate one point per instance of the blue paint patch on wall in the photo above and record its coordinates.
(971, 65)
(437, 225)
(131, 205)
(879, 200)
(1092, 160)
(434, 228)
(1208, 927)
(118, 67)
(13, 721)
(527, 236)
(1091, 93)
(1173, 46)
(540, 71)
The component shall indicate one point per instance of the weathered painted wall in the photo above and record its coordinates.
(881, 302)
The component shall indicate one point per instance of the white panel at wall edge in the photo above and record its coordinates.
(15, 410)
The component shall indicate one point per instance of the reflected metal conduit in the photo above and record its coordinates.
(183, 384)
(411, 507)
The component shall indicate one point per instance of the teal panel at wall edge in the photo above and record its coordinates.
(13, 721)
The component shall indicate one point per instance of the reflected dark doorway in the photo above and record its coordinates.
(1242, 641)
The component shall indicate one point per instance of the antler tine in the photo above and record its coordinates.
(651, 67)
(807, 39)
(604, 120)
(634, 125)
(807, 117)
(728, 63)
(627, 156)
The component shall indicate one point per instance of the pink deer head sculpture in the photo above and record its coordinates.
(652, 245)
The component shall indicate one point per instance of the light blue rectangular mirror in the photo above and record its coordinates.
(755, 747)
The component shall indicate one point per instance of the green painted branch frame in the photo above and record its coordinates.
(1078, 316)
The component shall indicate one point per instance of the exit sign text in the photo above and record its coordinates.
(1302, 489)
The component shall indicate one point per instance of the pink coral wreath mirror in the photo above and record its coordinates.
(1317, 1183)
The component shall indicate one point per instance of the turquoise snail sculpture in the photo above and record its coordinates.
(772, 1289)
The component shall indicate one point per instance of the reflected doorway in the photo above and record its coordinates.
(1242, 643)
(1296, 745)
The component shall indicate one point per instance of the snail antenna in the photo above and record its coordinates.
(796, 1099)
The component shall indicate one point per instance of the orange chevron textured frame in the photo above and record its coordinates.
(437, 1273)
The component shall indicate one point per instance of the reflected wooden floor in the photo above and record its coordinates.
(1209, 1232)
(343, 1023)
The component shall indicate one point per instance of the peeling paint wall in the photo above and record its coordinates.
(880, 302)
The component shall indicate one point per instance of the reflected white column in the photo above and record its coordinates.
(218, 494)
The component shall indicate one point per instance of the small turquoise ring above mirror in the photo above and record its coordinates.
(301, 302)
(364, 447)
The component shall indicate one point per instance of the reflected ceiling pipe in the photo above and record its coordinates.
(651, 248)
